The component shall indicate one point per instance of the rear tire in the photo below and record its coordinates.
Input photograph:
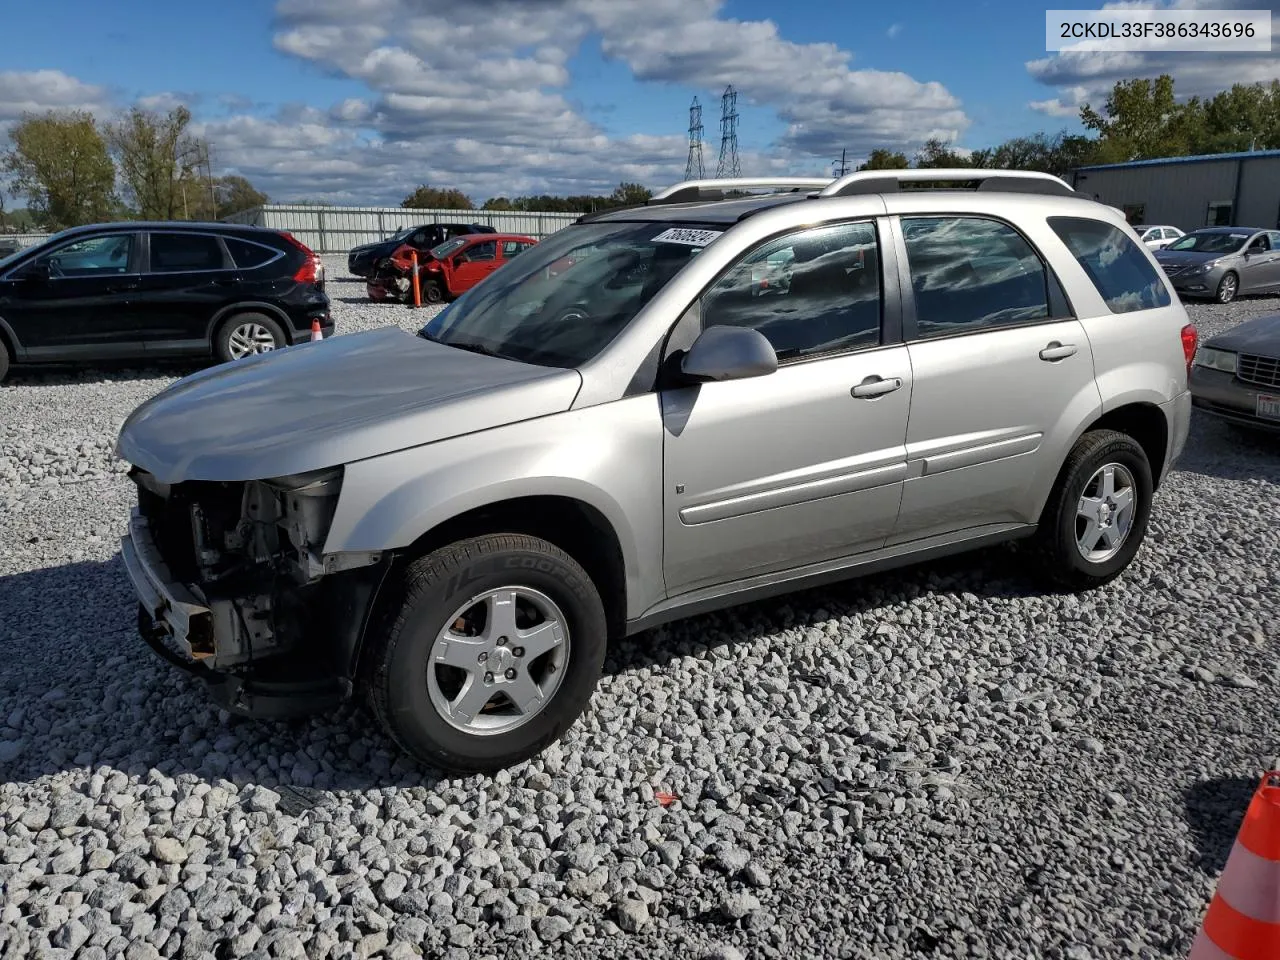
(4, 360)
(1105, 470)
(437, 676)
(432, 292)
(248, 334)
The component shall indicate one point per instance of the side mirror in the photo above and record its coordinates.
(729, 353)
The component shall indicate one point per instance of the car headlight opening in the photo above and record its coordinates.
(1223, 360)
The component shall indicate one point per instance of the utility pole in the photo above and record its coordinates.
(208, 164)
(842, 164)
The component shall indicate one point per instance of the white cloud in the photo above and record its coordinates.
(894, 30)
(476, 92)
(475, 95)
(41, 90)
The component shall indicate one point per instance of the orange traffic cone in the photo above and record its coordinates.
(1243, 921)
(315, 331)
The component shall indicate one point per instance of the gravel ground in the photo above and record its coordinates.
(941, 762)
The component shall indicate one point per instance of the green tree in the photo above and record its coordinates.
(937, 154)
(498, 203)
(1141, 120)
(631, 195)
(60, 163)
(885, 160)
(1246, 117)
(433, 198)
(159, 162)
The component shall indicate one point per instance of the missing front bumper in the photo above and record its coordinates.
(187, 622)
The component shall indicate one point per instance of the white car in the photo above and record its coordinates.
(1157, 238)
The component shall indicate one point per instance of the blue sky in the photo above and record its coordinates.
(359, 100)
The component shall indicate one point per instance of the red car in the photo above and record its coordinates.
(449, 270)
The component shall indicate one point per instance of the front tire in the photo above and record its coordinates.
(1097, 515)
(1228, 287)
(246, 335)
(494, 651)
(432, 292)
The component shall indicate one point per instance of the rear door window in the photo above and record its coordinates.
(1122, 274)
(970, 274)
(182, 252)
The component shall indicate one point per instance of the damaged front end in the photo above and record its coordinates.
(234, 586)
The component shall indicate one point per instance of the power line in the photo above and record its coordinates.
(693, 168)
(729, 165)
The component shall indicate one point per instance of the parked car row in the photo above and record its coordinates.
(364, 260)
(1223, 262)
(138, 290)
(446, 271)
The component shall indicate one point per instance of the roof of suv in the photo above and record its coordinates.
(689, 201)
(122, 226)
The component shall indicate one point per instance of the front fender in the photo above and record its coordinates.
(608, 457)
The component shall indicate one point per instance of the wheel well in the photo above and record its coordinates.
(237, 310)
(1147, 425)
(577, 528)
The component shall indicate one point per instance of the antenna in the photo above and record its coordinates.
(693, 169)
(729, 166)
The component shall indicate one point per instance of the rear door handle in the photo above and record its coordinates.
(873, 387)
(1057, 351)
(123, 287)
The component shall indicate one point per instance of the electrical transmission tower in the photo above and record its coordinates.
(729, 165)
(693, 169)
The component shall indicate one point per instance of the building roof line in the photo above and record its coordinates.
(1198, 158)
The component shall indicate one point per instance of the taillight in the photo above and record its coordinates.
(312, 270)
(1190, 340)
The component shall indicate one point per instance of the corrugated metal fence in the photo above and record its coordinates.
(338, 229)
(24, 240)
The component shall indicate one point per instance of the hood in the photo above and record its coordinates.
(1186, 258)
(332, 402)
(375, 248)
(1260, 335)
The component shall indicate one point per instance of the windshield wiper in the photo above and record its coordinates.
(472, 347)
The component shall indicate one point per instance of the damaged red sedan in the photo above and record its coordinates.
(449, 270)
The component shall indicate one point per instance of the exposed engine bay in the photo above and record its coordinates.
(250, 554)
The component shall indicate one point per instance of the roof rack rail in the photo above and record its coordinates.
(692, 190)
(888, 181)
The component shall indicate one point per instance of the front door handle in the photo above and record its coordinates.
(873, 387)
(1057, 351)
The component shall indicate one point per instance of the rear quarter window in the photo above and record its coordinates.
(1120, 271)
(248, 255)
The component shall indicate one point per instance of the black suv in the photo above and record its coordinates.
(364, 261)
(142, 290)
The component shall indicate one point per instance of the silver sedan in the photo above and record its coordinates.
(1223, 262)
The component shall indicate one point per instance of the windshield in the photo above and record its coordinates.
(566, 299)
(1210, 242)
(448, 247)
(401, 234)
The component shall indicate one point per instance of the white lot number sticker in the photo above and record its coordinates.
(690, 238)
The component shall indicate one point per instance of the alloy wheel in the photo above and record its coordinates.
(499, 661)
(248, 339)
(1227, 288)
(1105, 513)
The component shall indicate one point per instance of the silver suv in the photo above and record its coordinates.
(742, 388)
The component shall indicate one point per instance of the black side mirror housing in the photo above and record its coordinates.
(728, 353)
